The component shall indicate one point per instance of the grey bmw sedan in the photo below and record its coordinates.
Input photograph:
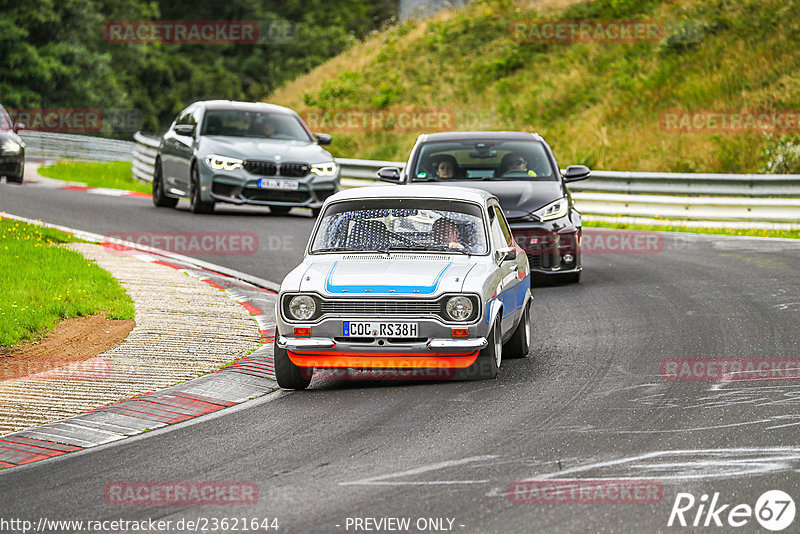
(243, 153)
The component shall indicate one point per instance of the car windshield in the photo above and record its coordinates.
(401, 224)
(483, 160)
(261, 124)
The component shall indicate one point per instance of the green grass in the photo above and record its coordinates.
(43, 283)
(676, 227)
(113, 175)
(596, 103)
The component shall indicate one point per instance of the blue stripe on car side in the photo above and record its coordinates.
(401, 290)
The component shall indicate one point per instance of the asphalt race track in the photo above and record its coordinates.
(588, 403)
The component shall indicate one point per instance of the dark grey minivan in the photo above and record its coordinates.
(243, 153)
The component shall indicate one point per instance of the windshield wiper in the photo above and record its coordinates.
(334, 249)
(429, 248)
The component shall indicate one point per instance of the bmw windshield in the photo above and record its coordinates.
(257, 124)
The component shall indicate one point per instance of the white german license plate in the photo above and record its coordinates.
(274, 183)
(379, 329)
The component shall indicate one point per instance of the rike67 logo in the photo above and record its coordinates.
(774, 510)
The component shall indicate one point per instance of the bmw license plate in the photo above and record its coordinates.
(273, 183)
(370, 329)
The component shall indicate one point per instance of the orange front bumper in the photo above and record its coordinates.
(383, 360)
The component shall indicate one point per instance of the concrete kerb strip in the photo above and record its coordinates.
(248, 377)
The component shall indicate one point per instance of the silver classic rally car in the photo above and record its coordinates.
(417, 277)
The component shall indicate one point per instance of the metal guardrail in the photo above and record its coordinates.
(145, 151)
(55, 146)
(675, 196)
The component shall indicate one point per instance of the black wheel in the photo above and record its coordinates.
(289, 375)
(489, 359)
(279, 210)
(18, 176)
(196, 204)
(161, 200)
(520, 343)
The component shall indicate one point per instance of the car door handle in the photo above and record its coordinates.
(515, 267)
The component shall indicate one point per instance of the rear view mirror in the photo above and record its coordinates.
(389, 174)
(577, 172)
(505, 254)
(184, 129)
(323, 138)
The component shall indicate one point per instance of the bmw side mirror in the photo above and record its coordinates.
(505, 254)
(389, 174)
(184, 129)
(323, 138)
(577, 172)
(18, 126)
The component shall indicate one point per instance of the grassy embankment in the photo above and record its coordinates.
(113, 175)
(43, 283)
(599, 104)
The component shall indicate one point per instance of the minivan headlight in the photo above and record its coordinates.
(554, 210)
(223, 163)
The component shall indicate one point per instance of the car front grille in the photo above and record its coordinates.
(378, 308)
(277, 195)
(270, 168)
(262, 168)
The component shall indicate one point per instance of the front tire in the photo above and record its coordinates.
(161, 200)
(289, 375)
(196, 204)
(19, 176)
(520, 343)
(489, 359)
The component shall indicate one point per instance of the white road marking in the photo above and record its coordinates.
(383, 480)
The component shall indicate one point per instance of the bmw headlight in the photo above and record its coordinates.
(302, 307)
(10, 146)
(554, 210)
(223, 163)
(324, 169)
(459, 308)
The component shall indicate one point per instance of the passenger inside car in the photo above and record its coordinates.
(444, 166)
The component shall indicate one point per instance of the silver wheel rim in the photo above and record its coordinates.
(498, 345)
(527, 320)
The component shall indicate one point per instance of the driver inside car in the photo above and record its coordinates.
(514, 162)
(445, 233)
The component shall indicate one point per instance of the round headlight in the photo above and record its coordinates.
(302, 307)
(459, 308)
